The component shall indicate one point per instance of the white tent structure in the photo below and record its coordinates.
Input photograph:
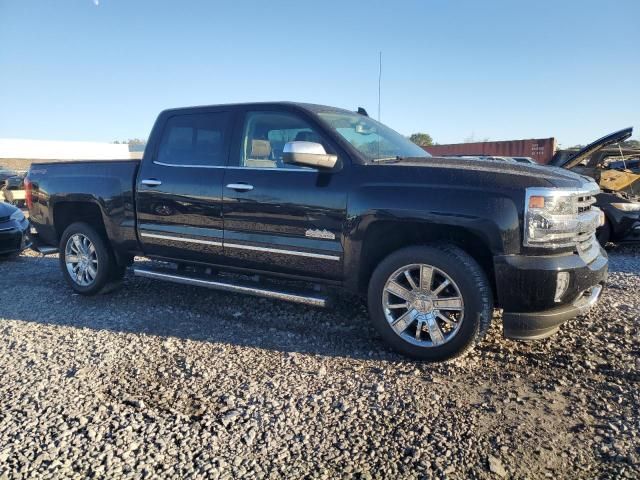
(61, 150)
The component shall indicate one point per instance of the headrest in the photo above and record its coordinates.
(260, 148)
(307, 137)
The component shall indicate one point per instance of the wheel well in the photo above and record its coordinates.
(66, 213)
(384, 238)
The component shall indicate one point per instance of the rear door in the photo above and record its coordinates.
(280, 217)
(179, 187)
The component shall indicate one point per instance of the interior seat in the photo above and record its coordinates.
(259, 155)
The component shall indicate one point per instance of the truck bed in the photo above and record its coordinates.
(106, 184)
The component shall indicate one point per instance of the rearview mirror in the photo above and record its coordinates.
(363, 129)
(309, 154)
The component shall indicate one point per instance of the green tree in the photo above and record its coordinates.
(631, 144)
(421, 139)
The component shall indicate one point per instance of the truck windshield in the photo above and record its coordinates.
(372, 139)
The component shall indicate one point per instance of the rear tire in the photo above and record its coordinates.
(87, 262)
(426, 320)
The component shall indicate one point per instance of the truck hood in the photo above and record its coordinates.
(554, 175)
(593, 147)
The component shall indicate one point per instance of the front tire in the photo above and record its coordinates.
(86, 260)
(430, 302)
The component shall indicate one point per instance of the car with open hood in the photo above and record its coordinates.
(620, 196)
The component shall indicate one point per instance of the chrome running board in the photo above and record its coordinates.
(46, 250)
(36, 245)
(236, 286)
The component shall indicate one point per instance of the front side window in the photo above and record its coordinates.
(266, 133)
(194, 140)
(372, 139)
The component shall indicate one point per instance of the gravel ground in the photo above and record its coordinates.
(165, 381)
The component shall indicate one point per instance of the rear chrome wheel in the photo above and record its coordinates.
(423, 305)
(87, 261)
(81, 259)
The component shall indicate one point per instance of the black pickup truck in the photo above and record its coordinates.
(232, 196)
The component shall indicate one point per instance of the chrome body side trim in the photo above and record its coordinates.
(180, 239)
(284, 252)
(241, 247)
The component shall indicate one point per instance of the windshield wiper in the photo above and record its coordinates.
(397, 158)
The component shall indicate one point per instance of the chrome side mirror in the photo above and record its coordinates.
(309, 154)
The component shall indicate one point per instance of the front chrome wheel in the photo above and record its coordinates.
(81, 259)
(423, 305)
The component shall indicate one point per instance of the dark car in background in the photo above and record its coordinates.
(6, 173)
(622, 214)
(14, 228)
(632, 165)
(12, 189)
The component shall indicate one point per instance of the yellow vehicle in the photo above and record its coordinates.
(620, 181)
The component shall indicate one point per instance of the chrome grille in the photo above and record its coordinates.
(585, 202)
(589, 219)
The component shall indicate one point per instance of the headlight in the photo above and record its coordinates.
(627, 207)
(555, 217)
(17, 215)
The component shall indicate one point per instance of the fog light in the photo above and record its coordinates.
(562, 283)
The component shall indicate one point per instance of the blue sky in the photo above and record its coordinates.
(102, 70)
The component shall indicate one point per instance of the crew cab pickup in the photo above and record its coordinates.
(231, 197)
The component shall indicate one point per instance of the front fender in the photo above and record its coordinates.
(491, 216)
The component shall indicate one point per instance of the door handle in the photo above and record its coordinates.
(241, 187)
(151, 182)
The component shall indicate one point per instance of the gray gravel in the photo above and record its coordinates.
(165, 381)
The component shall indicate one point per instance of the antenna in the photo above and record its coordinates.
(379, 80)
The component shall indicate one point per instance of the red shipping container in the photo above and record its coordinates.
(540, 149)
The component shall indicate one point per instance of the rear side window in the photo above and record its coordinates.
(194, 140)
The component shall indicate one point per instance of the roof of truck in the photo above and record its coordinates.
(306, 106)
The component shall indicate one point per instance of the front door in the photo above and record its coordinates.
(281, 217)
(179, 190)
